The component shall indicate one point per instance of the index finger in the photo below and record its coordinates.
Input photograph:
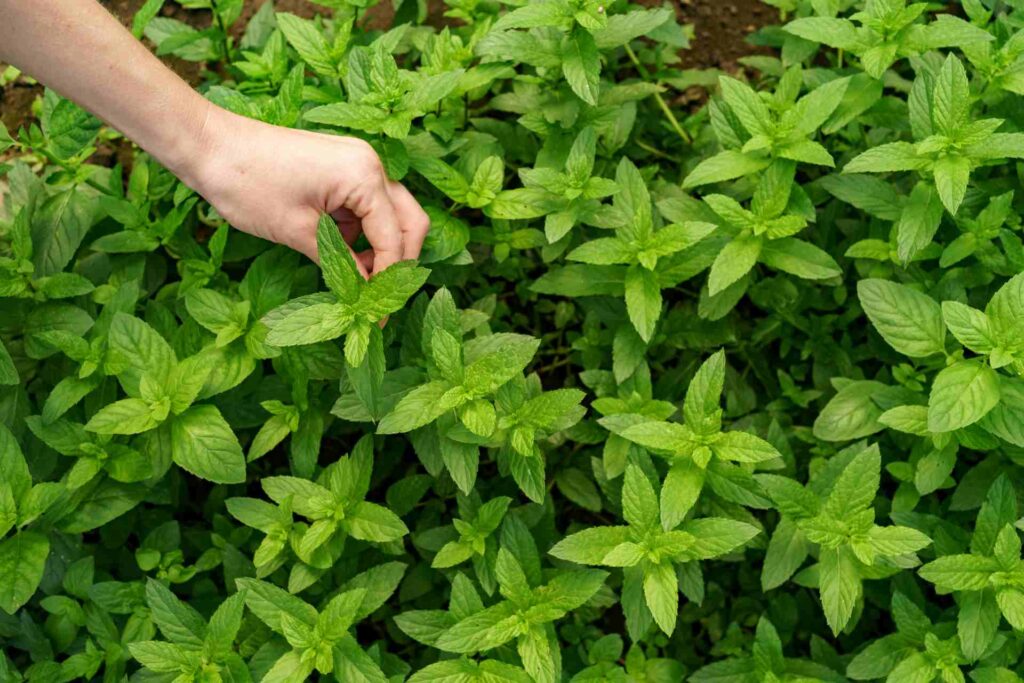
(380, 225)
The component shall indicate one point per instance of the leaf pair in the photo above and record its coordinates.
(353, 307)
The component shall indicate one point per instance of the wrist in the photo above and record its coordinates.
(188, 148)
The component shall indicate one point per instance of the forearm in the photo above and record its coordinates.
(77, 48)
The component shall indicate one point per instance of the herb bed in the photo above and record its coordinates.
(723, 390)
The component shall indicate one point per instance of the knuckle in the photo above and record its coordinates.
(366, 162)
(422, 223)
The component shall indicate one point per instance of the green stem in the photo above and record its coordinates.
(655, 151)
(644, 74)
(672, 119)
(669, 116)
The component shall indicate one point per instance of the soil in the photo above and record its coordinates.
(16, 104)
(720, 31)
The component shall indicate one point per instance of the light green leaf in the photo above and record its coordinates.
(643, 300)
(962, 394)
(840, 586)
(203, 443)
(911, 322)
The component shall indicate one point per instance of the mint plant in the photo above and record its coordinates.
(843, 527)
(701, 374)
(353, 307)
(699, 451)
(655, 560)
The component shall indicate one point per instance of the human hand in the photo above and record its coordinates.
(274, 182)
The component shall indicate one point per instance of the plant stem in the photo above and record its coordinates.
(644, 74)
(669, 116)
(655, 151)
(672, 119)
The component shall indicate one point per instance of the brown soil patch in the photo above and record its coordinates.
(16, 104)
(720, 31)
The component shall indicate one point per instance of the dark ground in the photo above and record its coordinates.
(720, 27)
(720, 30)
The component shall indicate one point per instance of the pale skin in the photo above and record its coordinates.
(269, 181)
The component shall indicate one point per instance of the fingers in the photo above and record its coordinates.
(364, 260)
(394, 223)
(348, 224)
(380, 225)
(412, 219)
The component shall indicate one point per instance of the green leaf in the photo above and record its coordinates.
(371, 522)
(144, 15)
(838, 33)
(336, 261)
(225, 624)
(8, 373)
(643, 300)
(127, 416)
(22, 559)
(590, 546)
(203, 444)
(887, 158)
(733, 262)
(421, 406)
(911, 322)
(897, 540)
(161, 657)
(851, 414)
(639, 501)
(951, 100)
(311, 324)
(178, 621)
(919, 222)
(743, 447)
(142, 349)
(787, 551)
(1006, 312)
(269, 603)
(748, 106)
(977, 621)
(970, 326)
(791, 499)
(679, 492)
(492, 363)
(430, 90)
(799, 258)
(869, 194)
(726, 165)
(961, 395)
(581, 66)
(960, 572)
(952, 174)
(717, 536)
(661, 592)
(1011, 604)
(856, 486)
(659, 436)
(309, 42)
(840, 586)
(6, 141)
(482, 631)
(388, 291)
